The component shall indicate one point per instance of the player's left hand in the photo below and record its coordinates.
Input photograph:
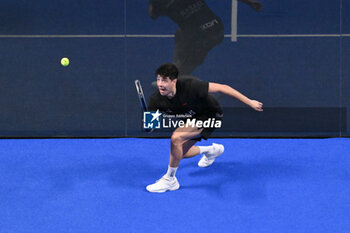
(256, 105)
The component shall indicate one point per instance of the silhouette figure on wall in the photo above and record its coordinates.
(200, 29)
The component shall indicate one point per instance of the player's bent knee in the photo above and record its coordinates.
(177, 138)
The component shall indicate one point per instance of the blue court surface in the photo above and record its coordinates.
(98, 185)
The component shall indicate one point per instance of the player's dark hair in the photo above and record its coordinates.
(168, 70)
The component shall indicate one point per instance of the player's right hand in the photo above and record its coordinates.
(256, 105)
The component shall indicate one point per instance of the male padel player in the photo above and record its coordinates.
(200, 29)
(189, 97)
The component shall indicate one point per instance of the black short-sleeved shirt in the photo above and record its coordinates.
(190, 15)
(191, 97)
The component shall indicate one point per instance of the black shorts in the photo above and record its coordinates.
(206, 132)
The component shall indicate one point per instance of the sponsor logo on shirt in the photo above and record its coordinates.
(209, 24)
(192, 9)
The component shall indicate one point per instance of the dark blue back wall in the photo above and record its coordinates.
(304, 81)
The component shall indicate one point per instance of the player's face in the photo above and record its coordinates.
(165, 85)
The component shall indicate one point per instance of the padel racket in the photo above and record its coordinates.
(141, 95)
(142, 101)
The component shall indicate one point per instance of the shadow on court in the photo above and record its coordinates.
(248, 180)
(117, 174)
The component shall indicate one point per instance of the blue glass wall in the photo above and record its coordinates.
(291, 55)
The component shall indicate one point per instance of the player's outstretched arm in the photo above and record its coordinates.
(227, 90)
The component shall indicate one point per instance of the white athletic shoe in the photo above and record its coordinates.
(208, 158)
(163, 184)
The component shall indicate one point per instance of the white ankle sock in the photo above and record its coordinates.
(171, 172)
(204, 149)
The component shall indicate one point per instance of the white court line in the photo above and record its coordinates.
(234, 14)
(86, 36)
(170, 36)
(297, 35)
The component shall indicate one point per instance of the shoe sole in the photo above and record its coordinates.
(223, 150)
(206, 165)
(163, 191)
